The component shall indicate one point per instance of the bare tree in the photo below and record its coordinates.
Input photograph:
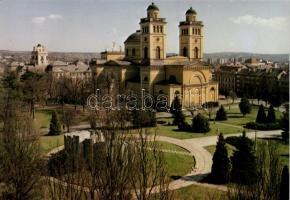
(20, 159)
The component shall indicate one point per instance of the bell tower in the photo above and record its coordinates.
(39, 55)
(191, 36)
(153, 35)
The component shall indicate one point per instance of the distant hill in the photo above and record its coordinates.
(52, 56)
(273, 57)
(83, 56)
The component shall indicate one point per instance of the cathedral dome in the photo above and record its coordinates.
(190, 11)
(134, 37)
(152, 7)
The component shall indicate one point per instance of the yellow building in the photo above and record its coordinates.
(146, 66)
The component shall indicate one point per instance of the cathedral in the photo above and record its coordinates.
(145, 64)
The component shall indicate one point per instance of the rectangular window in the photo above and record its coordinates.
(161, 29)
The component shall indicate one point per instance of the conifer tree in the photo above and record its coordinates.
(261, 116)
(244, 164)
(220, 171)
(271, 117)
(176, 110)
(55, 127)
(221, 114)
(245, 106)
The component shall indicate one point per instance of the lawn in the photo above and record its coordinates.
(42, 119)
(47, 143)
(196, 192)
(236, 118)
(234, 124)
(168, 146)
(178, 164)
(172, 131)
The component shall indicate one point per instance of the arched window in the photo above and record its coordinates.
(145, 52)
(172, 79)
(133, 52)
(145, 79)
(195, 52)
(184, 52)
(158, 53)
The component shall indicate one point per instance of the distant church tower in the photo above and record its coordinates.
(191, 36)
(39, 55)
(153, 29)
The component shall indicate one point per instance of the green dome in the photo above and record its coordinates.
(135, 37)
(152, 7)
(190, 11)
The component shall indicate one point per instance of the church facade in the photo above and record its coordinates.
(146, 66)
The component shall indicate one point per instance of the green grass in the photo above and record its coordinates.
(236, 118)
(168, 146)
(47, 143)
(229, 147)
(42, 118)
(234, 124)
(177, 164)
(195, 192)
(172, 131)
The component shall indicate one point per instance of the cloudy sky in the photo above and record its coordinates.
(259, 26)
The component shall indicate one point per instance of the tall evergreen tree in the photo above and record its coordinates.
(245, 106)
(261, 116)
(271, 117)
(55, 127)
(244, 164)
(220, 170)
(284, 186)
(221, 114)
(200, 124)
(176, 110)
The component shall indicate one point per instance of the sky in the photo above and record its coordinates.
(257, 26)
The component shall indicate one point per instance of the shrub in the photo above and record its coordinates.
(221, 114)
(200, 124)
(143, 118)
(263, 127)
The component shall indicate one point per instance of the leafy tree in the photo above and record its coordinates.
(261, 116)
(220, 170)
(284, 122)
(176, 110)
(284, 186)
(200, 124)
(271, 117)
(221, 114)
(244, 164)
(55, 127)
(245, 106)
